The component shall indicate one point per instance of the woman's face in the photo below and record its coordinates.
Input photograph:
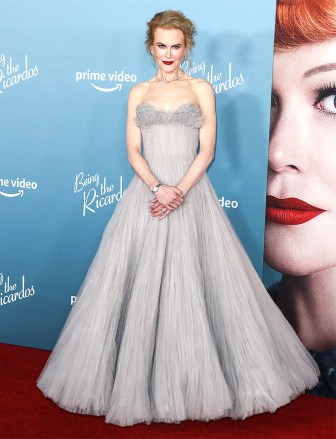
(168, 48)
(299, 238)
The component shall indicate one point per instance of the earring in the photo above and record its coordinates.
(153, 60)
(186, 58)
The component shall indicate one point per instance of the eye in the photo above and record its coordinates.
(176, 47)
(161, 46)
(328, 104)
(326, 99)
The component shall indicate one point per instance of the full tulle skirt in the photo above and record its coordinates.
(172, 322)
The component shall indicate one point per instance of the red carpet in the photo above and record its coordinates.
(25, 413)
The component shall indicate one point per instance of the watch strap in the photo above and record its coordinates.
(156, 187)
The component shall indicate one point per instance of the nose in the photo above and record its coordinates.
(289, 141)
(168, 52)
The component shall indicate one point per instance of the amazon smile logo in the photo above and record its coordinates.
(107, 82)
(15, 187)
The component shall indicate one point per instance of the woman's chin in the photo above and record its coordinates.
(290, 263)
(299, 251)
(281, 265)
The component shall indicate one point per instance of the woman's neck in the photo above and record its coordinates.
(309, 303)
(167, 77)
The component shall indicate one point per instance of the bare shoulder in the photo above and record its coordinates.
(205, 93)
(202, 85)
(137, 92)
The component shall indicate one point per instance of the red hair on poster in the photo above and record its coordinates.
(304, 22)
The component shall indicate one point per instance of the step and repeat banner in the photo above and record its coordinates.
(65, 74)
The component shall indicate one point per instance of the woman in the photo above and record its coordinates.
(172, 321)
(300, 235)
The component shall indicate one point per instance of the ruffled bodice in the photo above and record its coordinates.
(159, 139)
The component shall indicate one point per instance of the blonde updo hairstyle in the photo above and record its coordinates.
(171, 19)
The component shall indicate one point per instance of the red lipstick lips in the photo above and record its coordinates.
(290, 211)
(168, 63)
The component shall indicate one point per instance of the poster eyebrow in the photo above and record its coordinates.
(319, 69)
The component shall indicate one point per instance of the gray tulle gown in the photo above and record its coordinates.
(172, 321)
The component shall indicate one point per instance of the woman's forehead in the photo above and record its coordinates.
(307, 57)
(171, 34)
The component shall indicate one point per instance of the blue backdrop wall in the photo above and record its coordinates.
(65, 72)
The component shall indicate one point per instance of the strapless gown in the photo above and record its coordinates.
(172, 321)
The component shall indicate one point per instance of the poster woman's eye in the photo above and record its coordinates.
(326, 99)
(328, 104)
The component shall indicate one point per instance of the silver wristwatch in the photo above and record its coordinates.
(156, 187)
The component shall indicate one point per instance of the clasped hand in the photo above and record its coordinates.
(167, 199)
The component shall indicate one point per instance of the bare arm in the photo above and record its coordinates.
(199, 166)
(133, 140)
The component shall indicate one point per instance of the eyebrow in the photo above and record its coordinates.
(176, 44)
(319, 69)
